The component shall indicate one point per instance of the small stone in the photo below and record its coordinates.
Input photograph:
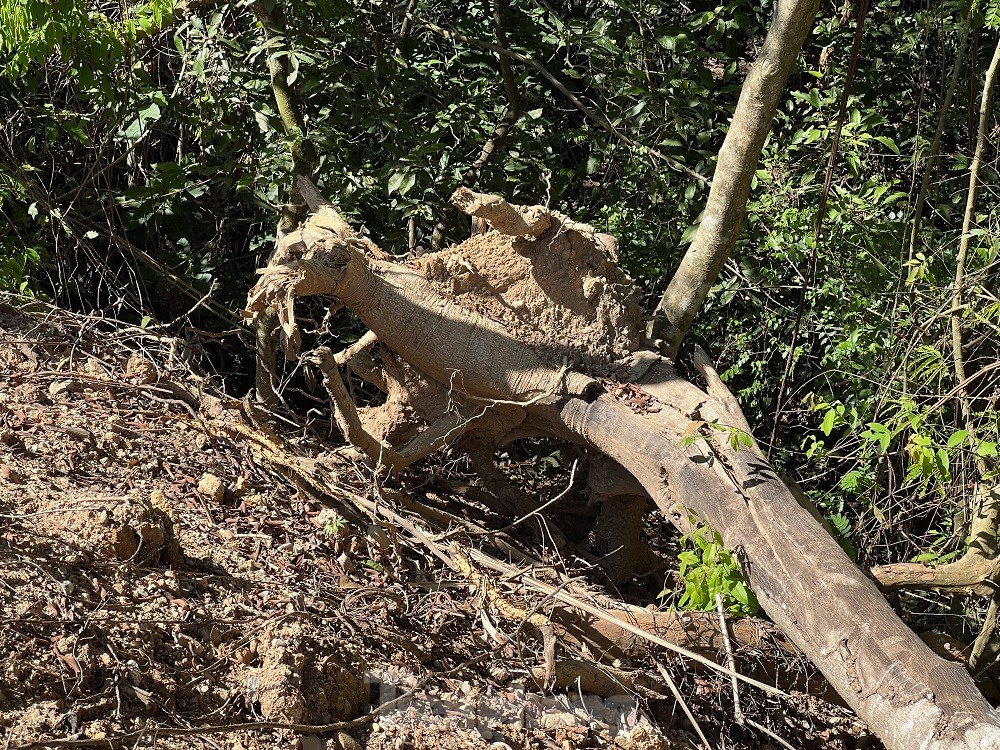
(159, 500)
(345, 741)
(592, 287)
(140, 370)
(558, 719)
(59, 387)
(379, 538)
(212, 487)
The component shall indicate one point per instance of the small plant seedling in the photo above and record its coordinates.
(707, 568)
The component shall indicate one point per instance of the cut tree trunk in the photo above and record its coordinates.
(684, 445)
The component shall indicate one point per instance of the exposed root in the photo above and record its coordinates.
(516, 221)
(976, 572)
(346, 414)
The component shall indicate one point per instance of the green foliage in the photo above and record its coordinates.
(33, 30)
(736, 437)
(707, 570)
(991, 15)
(843, 531)
(336, 526)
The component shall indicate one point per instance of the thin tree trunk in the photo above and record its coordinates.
(724, 215)
(304, 159)
(958, 293)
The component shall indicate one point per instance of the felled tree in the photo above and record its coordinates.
(533, 330)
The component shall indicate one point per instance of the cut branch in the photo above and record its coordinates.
(516, 221)
(976, 572)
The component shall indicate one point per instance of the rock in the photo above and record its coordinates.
(59, 387)
(212, 487)
(344, 741)
(557, 719)
(140, 370)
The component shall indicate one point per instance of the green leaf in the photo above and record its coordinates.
(139, 125)
(829, 420)
(878, 433)
(689, 233)
(942, 464)
(957, 438)
(402, 182)
(986, 449)
(888, 143)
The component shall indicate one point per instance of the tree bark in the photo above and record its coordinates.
(724, 214)
(304, 160)
(909, 696)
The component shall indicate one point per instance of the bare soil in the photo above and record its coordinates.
(562, 292)
(162, 587)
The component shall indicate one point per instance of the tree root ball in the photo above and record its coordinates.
(561, 292)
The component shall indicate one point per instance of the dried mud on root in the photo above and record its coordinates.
(562, 292)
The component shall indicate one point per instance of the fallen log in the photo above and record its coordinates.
(508, 337)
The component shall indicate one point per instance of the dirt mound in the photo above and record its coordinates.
(564, 286)
(303, 678)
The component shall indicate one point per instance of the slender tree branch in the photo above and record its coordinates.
(985, 111)
(932, 155)
(404, 29)
(725, 213)
(286, 98)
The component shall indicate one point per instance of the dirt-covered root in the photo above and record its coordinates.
(298, 675)
(553, 283)
(131, 529)
(514, 221)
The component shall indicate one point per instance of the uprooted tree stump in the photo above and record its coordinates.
(532, 330)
